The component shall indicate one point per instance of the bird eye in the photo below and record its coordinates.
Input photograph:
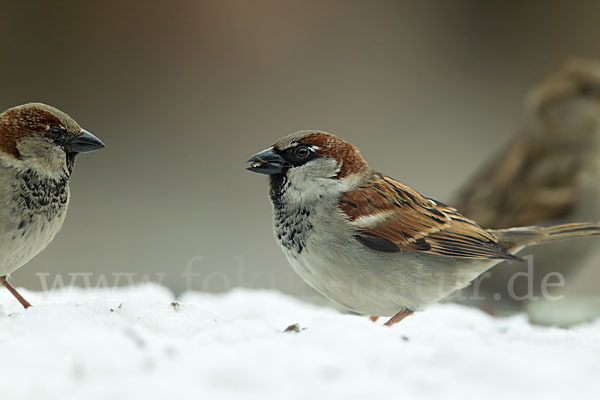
(301, 152)
(587, 90)
(55, 132)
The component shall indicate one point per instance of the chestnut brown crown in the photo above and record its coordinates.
(37, 120)
(324, 144)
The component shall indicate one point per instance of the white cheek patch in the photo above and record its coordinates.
(41, 156)
(316, 179)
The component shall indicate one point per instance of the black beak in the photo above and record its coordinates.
(268, 162)
(84, 143)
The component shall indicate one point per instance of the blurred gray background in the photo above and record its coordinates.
(183, 92)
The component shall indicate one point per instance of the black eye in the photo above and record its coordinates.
(301, 152)
(55, 132)
(588, 90)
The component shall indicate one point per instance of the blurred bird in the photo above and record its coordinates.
(38, 146)
(549, 173)
(371, 243)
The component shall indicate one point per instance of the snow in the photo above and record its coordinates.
(142, 343)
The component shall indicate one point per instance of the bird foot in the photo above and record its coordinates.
(398, 317)
(14, 292)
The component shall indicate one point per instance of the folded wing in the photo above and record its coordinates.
(390, 217)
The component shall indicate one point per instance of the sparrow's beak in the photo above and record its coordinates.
(84, 143)
(268, 162)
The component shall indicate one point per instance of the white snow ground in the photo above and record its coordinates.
(132, 343)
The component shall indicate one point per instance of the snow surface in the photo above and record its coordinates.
(133, 343)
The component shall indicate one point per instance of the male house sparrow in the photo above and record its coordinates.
(38, 145)
(549, 173)
(371, 243)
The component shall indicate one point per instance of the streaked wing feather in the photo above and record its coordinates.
(391, 217)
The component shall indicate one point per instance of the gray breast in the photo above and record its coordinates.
(31, 213)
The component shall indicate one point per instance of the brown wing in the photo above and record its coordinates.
(532, 181)
(391, 217)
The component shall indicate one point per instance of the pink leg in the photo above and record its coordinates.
(398, 317)
(14, 292)
(374, 318)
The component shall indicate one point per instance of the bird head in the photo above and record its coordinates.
(312, 163)
(42, 138)
(568, 99)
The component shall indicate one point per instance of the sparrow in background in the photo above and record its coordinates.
(371, 243)
(549, 173)
(38, 145)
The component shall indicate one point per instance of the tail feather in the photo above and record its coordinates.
(513, 239)
(566, 231)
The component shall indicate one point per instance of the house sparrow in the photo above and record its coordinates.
(38, 145)
(371, 243)
(549, 173)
